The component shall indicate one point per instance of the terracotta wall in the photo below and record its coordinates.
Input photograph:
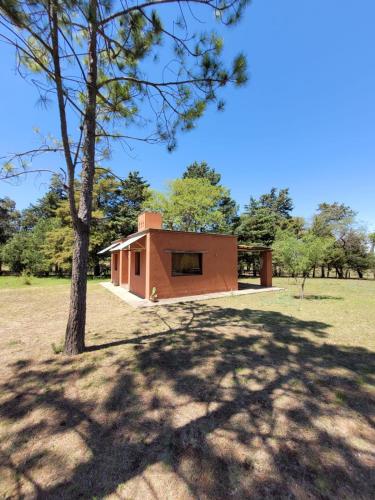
(123, 270)
(137, 284)
(115, 272)
(266, 269)
(219, 263)
(148, 220)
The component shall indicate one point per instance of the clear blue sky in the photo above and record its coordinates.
(306, 119)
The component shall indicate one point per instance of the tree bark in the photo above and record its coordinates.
(339, 273)
(75, 329)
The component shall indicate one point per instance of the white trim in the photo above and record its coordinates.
(108, 248)
(127, 243)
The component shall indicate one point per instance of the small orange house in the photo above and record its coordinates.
(177, 263)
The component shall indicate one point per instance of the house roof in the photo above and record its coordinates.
(107, 249)
(129, 241)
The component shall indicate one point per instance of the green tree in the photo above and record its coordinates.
(125, 204)
(356, 251)
(12, 252)
(9, 219)
(201, 170)
(26, 250)
(189, 204)
(333, 220)
(264, 216)
(100, 61)
(371, 263)
(277, 201)
(258, 227)
(299, 255)
(226, 205)
(371, 238)
(295, 225)
(60, 237)
(44, 208)
(349, 250)
(9, 222)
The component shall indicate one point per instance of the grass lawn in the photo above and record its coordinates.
(254, 396)
(32, 281)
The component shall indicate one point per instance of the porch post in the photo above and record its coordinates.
(123, 267)
(266, 269)
(148, 266)
(112, 267)
(115, 258)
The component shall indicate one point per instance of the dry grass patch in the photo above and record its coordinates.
(247, 397)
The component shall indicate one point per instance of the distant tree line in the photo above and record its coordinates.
(39, 239)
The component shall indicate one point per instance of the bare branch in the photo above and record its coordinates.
(160, 84)
(151, 4)
(11, 175)
(31, 153)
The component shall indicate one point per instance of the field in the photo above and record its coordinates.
(257, 396)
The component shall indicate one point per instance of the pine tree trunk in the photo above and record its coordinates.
(75, 329)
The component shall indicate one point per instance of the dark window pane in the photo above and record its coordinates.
(137, 263)
(186, 263)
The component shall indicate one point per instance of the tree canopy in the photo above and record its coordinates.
(189, 204)
(201, 170)
(300, 255)
(264, 216)
(226, 205)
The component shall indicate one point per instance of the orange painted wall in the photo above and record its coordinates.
(115, 272)
(266, 269)
(123, 271)
(148, 220)
(137, 284)
(219, 263)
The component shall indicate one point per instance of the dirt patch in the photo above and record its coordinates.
(217, 400)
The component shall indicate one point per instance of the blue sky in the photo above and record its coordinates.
(305, 120)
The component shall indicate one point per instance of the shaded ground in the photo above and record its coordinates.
(243, 397)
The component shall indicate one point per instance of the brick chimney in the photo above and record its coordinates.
(149, 220)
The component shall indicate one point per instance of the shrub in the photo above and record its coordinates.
(58, 348)
(26, 277)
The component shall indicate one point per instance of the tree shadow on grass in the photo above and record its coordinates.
(243, 285)
(319, 297)
(234, 403)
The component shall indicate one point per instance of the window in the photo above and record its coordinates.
(115, 263)
(186, 264)
(137, 263)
